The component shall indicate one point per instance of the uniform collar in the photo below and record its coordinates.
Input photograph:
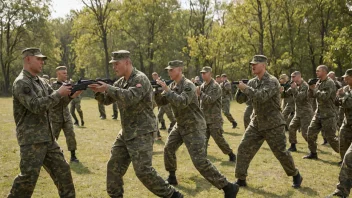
(29, 75)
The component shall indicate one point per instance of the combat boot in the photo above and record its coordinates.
(163, 126)
(325, 142)
(337, 193)
(297, 181)
(234, 124)
(73, 156)
(232, 157)
(292, 148)
(177, 194)
(231, 190)
(76, 123)
(311, 156)
(82, 123)
(241, 183)
(172, 179)
(114, 117)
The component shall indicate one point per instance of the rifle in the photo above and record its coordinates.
(313, 81)
(83, 84)
(245, 81)
(155, 85)
(286, 85)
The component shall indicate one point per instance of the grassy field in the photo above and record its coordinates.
(266, 176)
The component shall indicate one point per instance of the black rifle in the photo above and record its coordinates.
(245, 81)
(313, 81)
(155, 85)
(106, 80)
(286, 85)
(83, 84)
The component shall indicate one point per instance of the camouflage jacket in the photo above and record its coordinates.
(265, 97)
(324, 92)
(32, 99)
(184, 103)
(301, 100)
(134, 100)
(226, 90)
(239, 98)
(288, 102)
(346, 103)
(60, 112)
(210, 102)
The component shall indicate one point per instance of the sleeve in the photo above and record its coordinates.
(269, 89)
(181, 100)
(302, 94)
(211, 96)
(324, 93)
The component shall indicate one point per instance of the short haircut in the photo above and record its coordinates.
(154, 74)
(324, 67)
(284, 76)
(296, 73)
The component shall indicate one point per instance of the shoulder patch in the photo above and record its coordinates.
(26, 90)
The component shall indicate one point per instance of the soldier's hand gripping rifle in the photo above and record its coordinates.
(83, 84)
(157, 87)
(245, 81)
(313, 81)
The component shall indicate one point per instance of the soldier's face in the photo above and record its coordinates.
(320, 72)
(223, 79)
(218, 79)
(206, 76)
(174, 73)
(120, 67)
(35, 64)
(348, 80)
(61, 75)
(257, 68)
(155, 77)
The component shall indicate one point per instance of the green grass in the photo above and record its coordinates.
(266, 176)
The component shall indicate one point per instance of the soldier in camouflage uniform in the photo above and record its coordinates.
(288, 103)
(32, 99)
(345, 177)
(76, 105)
(226, 99)
(303, 109)
(210, 103)
(102, 113)
(134, 143)
(60, 115)
(324, 119)
(189, 129)
(249, 108)
(267, 123)
(218, 79)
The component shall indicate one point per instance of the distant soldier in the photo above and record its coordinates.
(76, 105)
(33, 97)
(288, 104)
(218, 79)
(267, 123)
(226, 99)
(60, 115)
(102, 113)
(324, 119)
(210, 103)
(46, 78)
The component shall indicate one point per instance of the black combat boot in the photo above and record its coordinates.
(297, 181)
(232, 157)
(292, 148)
(231, 190)
(163, 126)
(234, 124)
(73, 156)
(82, 123)
(114, 117)
(172, 178)
(311, 156)
(241, 183)
(325, 142)
(76, 123)
(177, 194)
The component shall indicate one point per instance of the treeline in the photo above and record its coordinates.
(294, 34)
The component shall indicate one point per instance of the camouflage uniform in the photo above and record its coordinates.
(210, 104)
(325, 115)
(189, 129)
(166, 109)
(101, 108)
(267, 124)
(303, 112)
(61, 119)
(134, 143)
(345, 177)
(288, 106)
(249, 108)
(226, 99)
(346, 128)
(76, 105)
(32, 99)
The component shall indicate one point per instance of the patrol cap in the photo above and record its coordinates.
(217, 76)
(173, 64)
(45, 76)
(348, 73)
(206, 69)
(259, 59)
(119, 55)
(223, 75)
(32, 52)
(61, 68)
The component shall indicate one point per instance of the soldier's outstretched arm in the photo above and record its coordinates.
(181, 100)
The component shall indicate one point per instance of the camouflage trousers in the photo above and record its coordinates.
(102, 112)
(252, 141)
(139, 151)
(247, 116)
(194, 140)
(70, 136)
(288, 114)
(226, 109)
(216, 131)
(302, 122)
(166, 109)
(328, 128)
(76, 105)
(345, 177)
(33, 157)
(345, 138)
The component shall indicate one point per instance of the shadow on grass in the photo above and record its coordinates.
(212, 158)
(233, 134)
(308, 191)
(228, 163)
(200, 183)
(258, 191)
(328, 162)
(158, 152)
(79, 168)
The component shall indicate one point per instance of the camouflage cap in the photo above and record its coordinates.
(45, 76)
(217, 76)
(174, 64)
(223, 75)
(33, 52)
(348, 73)
(119, 55)
(206, 69)
(259, 59)
(61, 68)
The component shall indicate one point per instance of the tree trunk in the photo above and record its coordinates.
(104, 39)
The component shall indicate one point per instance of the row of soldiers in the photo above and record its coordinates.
(197, 111)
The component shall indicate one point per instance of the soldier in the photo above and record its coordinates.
(189, 129)
(210, 103)
(60, 115)
(324, 119)
(218, 79)
(32, 99)
(249, 108)
(226, 98)
(267, 123)
(303, 109)
(76, 105)
(134, 143)
(339, 109)
(345, 177)
(288, 104)
(46, 78)
(102, 113)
